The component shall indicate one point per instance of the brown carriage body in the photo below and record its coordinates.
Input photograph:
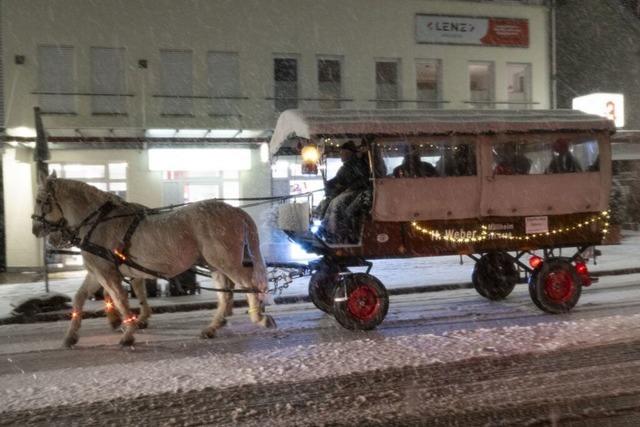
(457, 207)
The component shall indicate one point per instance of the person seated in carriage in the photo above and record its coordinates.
(347, 196)
(413, 167)
(457, 160)
(563, 161)
(510, 161)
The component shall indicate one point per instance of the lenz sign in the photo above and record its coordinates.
(455, 29)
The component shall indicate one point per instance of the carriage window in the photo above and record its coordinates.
(548, 155)
(425, 158)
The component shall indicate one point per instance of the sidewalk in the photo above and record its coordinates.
(400, 276)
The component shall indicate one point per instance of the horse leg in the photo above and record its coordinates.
(112, 282)
(88, 287)
(228, 284)
(243, 277)
(112, 314)
(225, 305)
(140, 289)
(256, 313)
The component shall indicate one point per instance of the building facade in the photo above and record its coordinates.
(166, 101)
(598, 52)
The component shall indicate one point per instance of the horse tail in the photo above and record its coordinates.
(253, 244)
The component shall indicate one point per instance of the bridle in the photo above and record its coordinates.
(46, 207)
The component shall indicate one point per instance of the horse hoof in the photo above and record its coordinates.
(70, 340)
(208, 333)
(268, 322)
(142, 324)
(127, 341)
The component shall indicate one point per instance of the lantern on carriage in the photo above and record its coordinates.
(310, 157)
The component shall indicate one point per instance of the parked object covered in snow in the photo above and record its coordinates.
(493, 185)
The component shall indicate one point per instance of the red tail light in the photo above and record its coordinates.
(583, 272)
(535, 261)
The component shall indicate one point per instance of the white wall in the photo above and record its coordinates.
(23, 249)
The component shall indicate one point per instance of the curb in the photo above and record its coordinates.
(185, 307)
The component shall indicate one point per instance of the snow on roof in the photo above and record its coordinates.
(306, 124)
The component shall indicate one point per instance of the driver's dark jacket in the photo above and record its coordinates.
(352, 175)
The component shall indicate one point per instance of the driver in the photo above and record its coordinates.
(352, 179)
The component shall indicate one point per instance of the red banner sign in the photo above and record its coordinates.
(439, 29)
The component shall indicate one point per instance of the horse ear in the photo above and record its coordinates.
(42, 178)
(53, 174)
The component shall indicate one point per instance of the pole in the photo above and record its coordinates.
(40, 156)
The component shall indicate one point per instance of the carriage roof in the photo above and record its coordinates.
(307, 124)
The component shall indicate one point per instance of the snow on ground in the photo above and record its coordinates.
(303, 362)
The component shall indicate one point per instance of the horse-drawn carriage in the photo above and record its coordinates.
(494, 186)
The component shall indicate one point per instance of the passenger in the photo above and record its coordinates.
(351, 180)
(413, 167)
(563, 161)
(458, 160)
(465, 160)
(510, 161)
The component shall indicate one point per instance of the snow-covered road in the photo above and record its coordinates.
(422, 332)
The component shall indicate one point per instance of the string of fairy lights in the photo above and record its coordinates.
(485, 234)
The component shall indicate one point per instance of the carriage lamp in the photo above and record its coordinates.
(310, 157)
(535, 261)
(108, 306)
(75, 314)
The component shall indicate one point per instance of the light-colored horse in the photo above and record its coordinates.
(168, 243)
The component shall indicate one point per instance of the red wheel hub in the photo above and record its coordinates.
(559, 286)
(363, 303)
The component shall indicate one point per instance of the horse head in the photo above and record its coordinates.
(47, 216)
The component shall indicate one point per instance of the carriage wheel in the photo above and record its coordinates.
(555, 287)
(321, 286)
(495, 275)
(360, 302)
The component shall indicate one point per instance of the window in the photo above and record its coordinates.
(428, 77)
(224, 83)
(288, 178)
(329, 82)
(55, 79)
(519, 86)
(110, 177)
(481, 84)
(177, 82)
(285, 76)
(545, 155)
(387, 89)
(108, 80)
(425, 158)
(194, 186)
